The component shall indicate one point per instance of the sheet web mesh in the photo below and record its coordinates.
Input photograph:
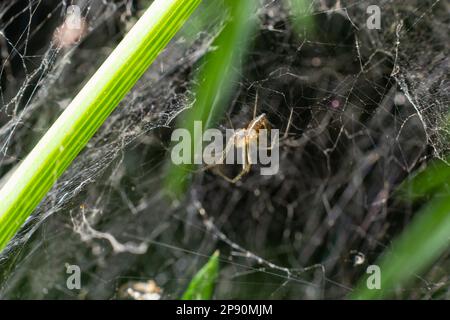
(361, 109)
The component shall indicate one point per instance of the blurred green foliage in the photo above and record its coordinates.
(422, 242)
(425, 238)
(303, 20)
(215, 82)
(435, 178)
(202, 285)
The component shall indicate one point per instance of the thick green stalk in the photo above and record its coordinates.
(86, 113)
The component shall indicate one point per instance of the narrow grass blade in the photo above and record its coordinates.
(423, 241)
(88, 110)
(202, 285)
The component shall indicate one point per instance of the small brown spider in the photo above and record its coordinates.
(243, 139)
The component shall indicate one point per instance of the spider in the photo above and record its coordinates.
(243, 139)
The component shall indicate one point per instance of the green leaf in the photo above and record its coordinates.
(202, 285)
(423, 241)
(86, 113)
(434, 178)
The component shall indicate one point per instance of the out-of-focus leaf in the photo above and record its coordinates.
(303, 20)
(202, 285)
(436, 177)
(216, 79)
(421, 243)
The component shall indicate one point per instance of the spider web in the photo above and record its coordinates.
(362, 110)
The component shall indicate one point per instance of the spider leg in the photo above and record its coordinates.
(229, 145)
(272, 144)
(256, 104)
(224, 176)
(269, 148)
(286, 132)
(229, 121)
(246, 165)
(289, 124)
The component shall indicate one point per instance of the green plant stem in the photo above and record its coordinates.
(86, 113)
